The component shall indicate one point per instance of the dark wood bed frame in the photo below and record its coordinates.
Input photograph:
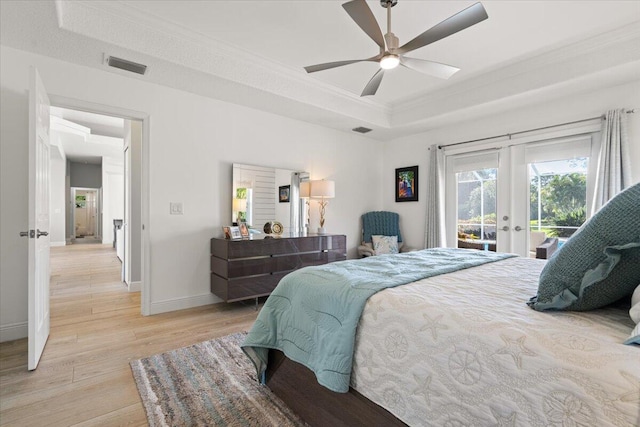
(297, 386)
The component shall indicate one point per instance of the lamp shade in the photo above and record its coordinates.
(323, 188)
(239, 205)
(305, 189)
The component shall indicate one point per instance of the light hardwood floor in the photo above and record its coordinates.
(84, 376)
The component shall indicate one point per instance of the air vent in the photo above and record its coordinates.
(361, 129)
(123, 64)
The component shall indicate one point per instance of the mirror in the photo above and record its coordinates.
(262, 194)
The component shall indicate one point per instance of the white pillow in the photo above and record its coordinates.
(385, 244)
(634, 312)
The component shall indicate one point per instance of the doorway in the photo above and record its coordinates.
(108, 212)
(85, 214)
(514, 198)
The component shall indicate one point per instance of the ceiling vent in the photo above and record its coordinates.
(123, 64)
(361, 129)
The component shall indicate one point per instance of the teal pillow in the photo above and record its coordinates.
(599, 264)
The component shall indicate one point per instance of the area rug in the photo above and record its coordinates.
(208, 384)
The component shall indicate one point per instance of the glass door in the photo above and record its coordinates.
(558, 182)
(472, 201)
(516, 198)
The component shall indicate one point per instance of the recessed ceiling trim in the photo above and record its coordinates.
(130, 28)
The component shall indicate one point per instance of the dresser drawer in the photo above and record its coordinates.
(243, 269)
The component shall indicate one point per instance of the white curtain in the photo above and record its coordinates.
(434, 236)
(614, 166)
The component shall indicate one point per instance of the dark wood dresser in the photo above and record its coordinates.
(244, 269)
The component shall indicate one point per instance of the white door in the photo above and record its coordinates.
(38, 218)
(552, 187)
(511, 199)
(476, 208)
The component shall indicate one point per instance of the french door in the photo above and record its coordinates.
(510, 199)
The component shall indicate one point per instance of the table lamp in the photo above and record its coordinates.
(322, 190)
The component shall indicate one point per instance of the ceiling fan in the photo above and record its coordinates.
(392, 56)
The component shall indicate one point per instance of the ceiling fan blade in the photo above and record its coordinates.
(435, 69)
(372, 87)
(360, 12)
(458, 22)
(329, 65)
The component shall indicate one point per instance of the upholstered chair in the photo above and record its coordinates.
(379, 223)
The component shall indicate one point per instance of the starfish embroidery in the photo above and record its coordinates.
(632, 395)
(516, 349)
(424, 389)
(504, 421)
(367, 361)
(373, 308)
(433, 325)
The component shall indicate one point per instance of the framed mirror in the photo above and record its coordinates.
(262, 194)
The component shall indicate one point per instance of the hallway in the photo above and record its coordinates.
(84, 376)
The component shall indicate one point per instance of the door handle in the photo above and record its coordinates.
(28, 233)
(517, 228)
(505, 228)
(41, 233)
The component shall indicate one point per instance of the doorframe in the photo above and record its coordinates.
(73, 190)
(503, 145)
(77, 104)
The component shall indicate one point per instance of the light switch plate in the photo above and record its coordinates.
(175, 208)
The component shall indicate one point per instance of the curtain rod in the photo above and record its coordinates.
(602, 117)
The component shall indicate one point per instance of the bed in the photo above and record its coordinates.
(453, 337)
(463, 348)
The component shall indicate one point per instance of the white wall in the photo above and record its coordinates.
(412, 150)
(112, 195)
(85, 175)
(193, 142)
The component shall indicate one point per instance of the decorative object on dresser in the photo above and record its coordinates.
(322, 189)
(246, 269)
(407, 184)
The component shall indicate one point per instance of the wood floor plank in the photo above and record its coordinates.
(84, 377)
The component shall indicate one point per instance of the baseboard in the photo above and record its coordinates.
(14, 331)
(58, 244)
(134, 286)
(182, 303)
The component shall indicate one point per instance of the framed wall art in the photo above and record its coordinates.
(285, 192)
(406, 181)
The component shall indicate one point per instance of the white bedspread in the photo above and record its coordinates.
(465, 349)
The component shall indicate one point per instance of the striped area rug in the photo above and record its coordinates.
(208, 384)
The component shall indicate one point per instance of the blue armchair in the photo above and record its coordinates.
(378, 223)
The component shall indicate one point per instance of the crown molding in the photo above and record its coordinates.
(127, 27)
(527, 76)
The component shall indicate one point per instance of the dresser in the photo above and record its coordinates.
(245, 269)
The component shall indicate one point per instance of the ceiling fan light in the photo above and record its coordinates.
(389, 61)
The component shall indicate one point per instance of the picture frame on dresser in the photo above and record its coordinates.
(244, 230)
(235, 232)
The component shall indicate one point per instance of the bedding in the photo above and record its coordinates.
(313, 312)
(599, 264)
(464, 349)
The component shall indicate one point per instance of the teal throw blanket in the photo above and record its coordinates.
(313, 313)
